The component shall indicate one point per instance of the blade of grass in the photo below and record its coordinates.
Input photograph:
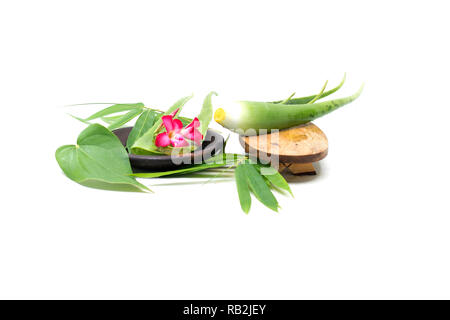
(196, 168)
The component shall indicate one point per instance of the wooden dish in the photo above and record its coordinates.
(296, 148)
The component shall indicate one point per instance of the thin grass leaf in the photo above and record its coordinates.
(79, 119)
(259, 186)
(195, 168)
(91, 103)
(130, 115)
(275, 178)
(114, 109)
(227, 158)
(243, 189)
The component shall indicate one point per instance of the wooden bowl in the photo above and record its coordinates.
(212, 144)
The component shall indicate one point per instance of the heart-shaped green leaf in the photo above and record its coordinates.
(99, 160)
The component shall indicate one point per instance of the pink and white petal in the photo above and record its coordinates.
(173, 114)
(178, 141)
(195, 123)
(177, 125)
(198, 137)
(162, 140)
(168, 122)
(192, 134)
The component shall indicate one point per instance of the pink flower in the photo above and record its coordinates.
(175, 134)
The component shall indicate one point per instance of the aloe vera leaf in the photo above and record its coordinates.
(256, 115)
(275, 178)
(259, 186)
(143, 123)
(146, 143)
(304, 100)
(243, 188)
(319, 94)
(114, 109)
(98, 160)
(205, 115)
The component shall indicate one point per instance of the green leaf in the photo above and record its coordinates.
(145, 121)
(111, 119)
(259, 186)
(243, 188)
(146, 143)
(275, 178)
(130, 115)
(98, 160)
(194, 168)
(114, 109)
(206, 113)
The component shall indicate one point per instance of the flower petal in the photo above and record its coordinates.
(195, 123)
(168, 122)
(193, 134)
(162, 140)
(173, 114)
(178, 141)
(177, 125)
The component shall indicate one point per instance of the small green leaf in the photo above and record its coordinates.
(206, 113)
(275, 178)
(114, 109)
(259, 186)
(146, 143)
(111, 119)
(98, 161)
(130, 115)
(145, 121)
(243, 188)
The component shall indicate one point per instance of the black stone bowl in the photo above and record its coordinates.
(212, 144)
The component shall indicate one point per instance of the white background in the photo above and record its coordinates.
(373, 224)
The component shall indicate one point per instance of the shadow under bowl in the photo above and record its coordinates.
(212, 145)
